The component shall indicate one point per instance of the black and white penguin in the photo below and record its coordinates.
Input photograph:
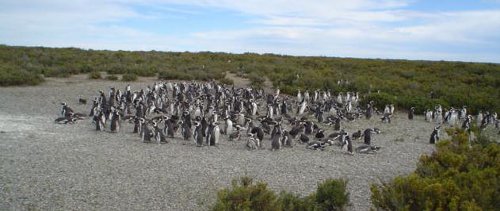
(115, 121)
(209, 139)
(276, 142)
(303, 138)
(99, 121)
(411, 112)
(137, 125)
(228, 127)
(320, 134)
(252, 142)
(286, 140)
(435, 135)
(198, 134)
(258, 132)
(368, 136)
(357, 135)
(158, 134)
(186, 131)
(367, 149)
(146, 133)
(66, 111)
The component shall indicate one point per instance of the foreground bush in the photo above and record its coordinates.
(455, 177)
(129, 77)
(245, 195)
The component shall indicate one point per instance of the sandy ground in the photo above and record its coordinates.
(47, 166)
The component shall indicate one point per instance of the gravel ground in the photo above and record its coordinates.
(47, 166)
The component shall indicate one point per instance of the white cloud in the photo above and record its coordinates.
(355, 28)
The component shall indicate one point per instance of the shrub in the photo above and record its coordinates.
(332, 195)
(11, 77)
(456, 176)
(129, 77)
(245, 195)
(95, 75)
(112, 77)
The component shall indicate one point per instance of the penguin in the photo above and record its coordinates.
(186, 131)
(367, 149)
(99, 121)
(319, 135)
(258, 132)
(215, 135)
(276, 142)
(369, 111)
(303, 138)
(137, 125)
(357, 135)
(286, 140)
(158, 134)
(146, 132)
(198, 134)
(66, 111)
(252, 143)
(228, 127)
(411, 113)
(434, 135)
(209, 139)
(115, 121)
(368, 136)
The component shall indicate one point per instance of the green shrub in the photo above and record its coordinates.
(332, 195)
(95, 75)
(129, 77)
(112, 77)
(11, 77)
(456, 176)
(245, 195)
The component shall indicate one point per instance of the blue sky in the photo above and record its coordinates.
(461, 30)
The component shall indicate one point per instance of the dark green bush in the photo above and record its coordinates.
(11, 77)
(245, 195)
(95, 75)
(112, 77)
(332, 195)
(455, 177)
(129, 77)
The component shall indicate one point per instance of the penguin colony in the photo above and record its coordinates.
(205, 112)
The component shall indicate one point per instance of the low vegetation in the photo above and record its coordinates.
(129, 77)
(457, 176)
(95, 75)
(247, 195)
(422, 84)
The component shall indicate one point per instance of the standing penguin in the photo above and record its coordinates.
(215, 135)
(228, 127)
(99, 121)
(186, 131)
(209, 134)
(411, 112)
(276, 142)
(115, 121)
(368, 136)
(434, 135)
(198, 134)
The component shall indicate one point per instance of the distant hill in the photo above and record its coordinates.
(422, 84)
